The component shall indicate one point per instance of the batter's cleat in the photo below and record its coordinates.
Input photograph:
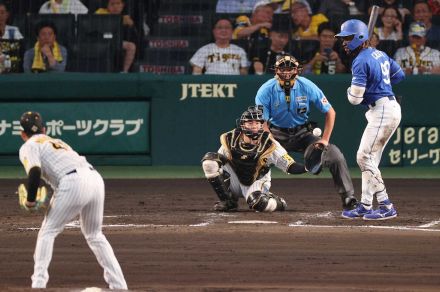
(357, 212)
(226, 206)
(349, 203)
(383, 213)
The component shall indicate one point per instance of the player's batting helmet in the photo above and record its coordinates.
(32, 123)
(355, 28)
(253, 113)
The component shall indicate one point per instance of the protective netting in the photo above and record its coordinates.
(162, 36)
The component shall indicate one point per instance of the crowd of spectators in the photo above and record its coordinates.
(247, 35)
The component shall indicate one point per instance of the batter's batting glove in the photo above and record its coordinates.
(40, 200)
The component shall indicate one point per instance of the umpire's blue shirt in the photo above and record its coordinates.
(276, 110)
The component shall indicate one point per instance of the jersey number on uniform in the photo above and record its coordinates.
(385, 67)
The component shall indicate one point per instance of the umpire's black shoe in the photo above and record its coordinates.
(349, 203)
(226, 206)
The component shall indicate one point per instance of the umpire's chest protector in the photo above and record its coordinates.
(248, 163)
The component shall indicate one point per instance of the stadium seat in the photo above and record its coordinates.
(96, 56)
(93, 28)
(194, 24)
(167, 43)
(187, 6)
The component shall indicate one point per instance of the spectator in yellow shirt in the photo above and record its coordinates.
(306, 24)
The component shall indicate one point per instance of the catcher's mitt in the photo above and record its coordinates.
(313, 158)
(40, 200)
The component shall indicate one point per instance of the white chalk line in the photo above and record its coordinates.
(213, 217)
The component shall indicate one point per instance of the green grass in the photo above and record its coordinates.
(156, 172)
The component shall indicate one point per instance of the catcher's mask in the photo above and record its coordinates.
(313, 158)
(253, 113)
(32, 123)
(286, 69)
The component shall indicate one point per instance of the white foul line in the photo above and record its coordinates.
(430, 224)
(366, 226)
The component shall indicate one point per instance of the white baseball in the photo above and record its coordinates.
(317, 132)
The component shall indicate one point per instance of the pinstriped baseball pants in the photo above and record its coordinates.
(239, 190)
(81, 193)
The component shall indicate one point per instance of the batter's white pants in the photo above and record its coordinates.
(383, 120)
(81, 193)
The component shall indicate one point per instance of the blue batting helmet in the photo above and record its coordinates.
(356, 28)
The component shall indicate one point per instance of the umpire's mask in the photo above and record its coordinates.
(286, 69)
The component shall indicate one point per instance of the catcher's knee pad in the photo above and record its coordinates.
(210, 168)
(265, 202)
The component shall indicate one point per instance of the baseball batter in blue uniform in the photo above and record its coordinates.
(287, 100)
(371, 85)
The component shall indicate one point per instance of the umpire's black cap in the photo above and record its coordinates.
(32, 123)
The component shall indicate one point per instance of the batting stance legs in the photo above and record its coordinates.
(383, 121)
(79, 193)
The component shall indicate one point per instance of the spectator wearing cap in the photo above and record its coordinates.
(306, 24)
(326, 60)
(63, 7)
(220, 57)
(264, 57)
(46, 55)
(258, 26)
(422, 12)
(7, 32)
(418, 58)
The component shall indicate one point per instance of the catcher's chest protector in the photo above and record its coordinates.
(248, 164)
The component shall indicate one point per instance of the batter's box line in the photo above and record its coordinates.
(404, 228)
(430, 224)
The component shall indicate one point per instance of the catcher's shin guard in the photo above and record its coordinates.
(266, 202)
(221, 184)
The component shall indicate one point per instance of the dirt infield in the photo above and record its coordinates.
(167, 239)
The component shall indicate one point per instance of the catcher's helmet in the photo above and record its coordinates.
(355, 28)
(253, 113)
(313, 158)
(32, 123)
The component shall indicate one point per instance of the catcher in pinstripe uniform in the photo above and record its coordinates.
(241, 167)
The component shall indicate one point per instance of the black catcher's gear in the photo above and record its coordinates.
(221, 185)
(313, 158)
(259, 201)
(247, 160)
(215, 156)
(253, 113)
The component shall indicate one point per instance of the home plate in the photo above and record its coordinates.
(252, 222)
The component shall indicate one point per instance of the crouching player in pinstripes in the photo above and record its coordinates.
(241, 167)
(78, 190)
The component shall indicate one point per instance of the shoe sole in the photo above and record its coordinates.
(351, 218)
(380, 219)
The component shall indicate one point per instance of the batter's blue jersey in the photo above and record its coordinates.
(375, 71)
(276, 110)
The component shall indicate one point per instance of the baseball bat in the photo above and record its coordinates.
(372, 21)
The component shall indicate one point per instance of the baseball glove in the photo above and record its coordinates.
(313, 158)
(40, 200)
